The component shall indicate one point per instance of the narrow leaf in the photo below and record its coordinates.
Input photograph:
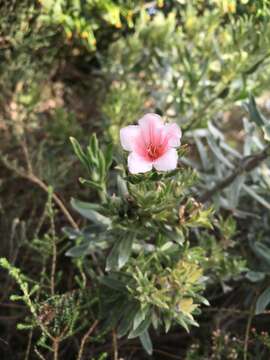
(78, 251)
(263, 301)
(262, 251)
(112, 283)
(142, 327)
(125, 248)
(92, 184)
(112, 259)
(79, 152)
(146, 342)
(108, 156)
(87, 210)
(254, 114)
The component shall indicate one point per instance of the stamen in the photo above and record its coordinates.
(154, 151)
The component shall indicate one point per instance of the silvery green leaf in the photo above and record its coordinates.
(125, 248)
(139, 318)
(89, 211)
(144, 325)
(234, 191)
(122, 187)
(167, 323)
(79, 152)
(262, 251)
(181, 321)
(230, 150)
(217, 134)
(263, 301)
(146, 342)
(112, 283)
(218, 153)
(71, 233)
(127, 319)
(102, 164)
(266, 131)
(167, 246)
(255, 276)
(257, 64)
(91, 183)
(112, 259)
(203, 153)
(108, 156)
(254, 113)
(78, 251)
(257, 197)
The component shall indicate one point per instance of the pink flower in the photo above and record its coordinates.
(151, 144)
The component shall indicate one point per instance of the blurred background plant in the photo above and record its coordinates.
(74, 68)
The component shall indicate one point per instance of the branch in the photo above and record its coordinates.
(56, 199)
(34, 179)
(84, 339)
(115, 345)
(247, 164)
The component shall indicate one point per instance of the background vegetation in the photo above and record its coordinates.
(158, 266)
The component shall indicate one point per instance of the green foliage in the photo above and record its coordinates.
(81, 20)
(96, 162)
(119, 110)
(150, 268)
(180, 61)
(23, 283)
(219, 263)
(154, 245)
(56, 316)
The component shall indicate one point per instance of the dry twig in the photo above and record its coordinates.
(84, 339)
(115, 345)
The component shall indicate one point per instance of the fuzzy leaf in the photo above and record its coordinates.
(91, 183)
(112, 283)
(71, 233)
(78, 251)
(122, 187)
(125, 248)
(127, 319)
(263, 301)
(146, 342)
(108, 156)
(142, 327)
(79, 152)
(94, 144)
(254, 114)
(102, 164)
(112, 259)
(255, 276)
(262, 251)
(266, 131)
(87, 210)
(139, 318)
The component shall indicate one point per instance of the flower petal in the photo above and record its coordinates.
(128, 136)
(167, 162)
(151, 125)
(172, 134)
(137, 164)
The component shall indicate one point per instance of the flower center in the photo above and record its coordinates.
(154, 151)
